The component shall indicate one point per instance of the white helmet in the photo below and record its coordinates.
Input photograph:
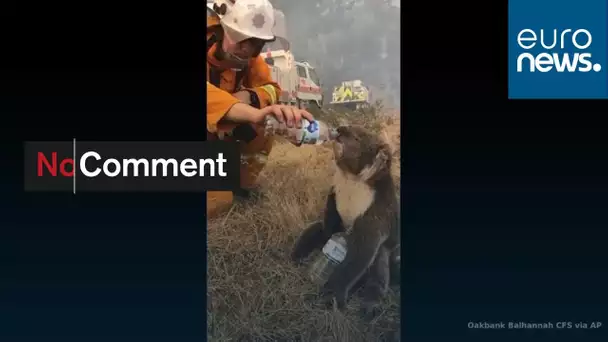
(244, 19)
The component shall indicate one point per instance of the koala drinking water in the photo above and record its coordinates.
(363, 203)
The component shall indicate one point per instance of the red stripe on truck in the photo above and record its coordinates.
(305, 89)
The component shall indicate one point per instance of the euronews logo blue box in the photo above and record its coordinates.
(558, 49)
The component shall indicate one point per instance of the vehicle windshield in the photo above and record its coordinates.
(313, 76)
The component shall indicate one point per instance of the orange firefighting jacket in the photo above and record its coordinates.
(221, 83)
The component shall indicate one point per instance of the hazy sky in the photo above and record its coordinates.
(348, 39)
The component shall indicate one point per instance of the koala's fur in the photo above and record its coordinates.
(362, 202)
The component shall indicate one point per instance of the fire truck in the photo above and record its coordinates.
(351, 94)
(298, 80)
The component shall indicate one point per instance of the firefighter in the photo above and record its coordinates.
(240, 89)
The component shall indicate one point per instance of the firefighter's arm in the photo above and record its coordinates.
(225, 112)
(266, 91)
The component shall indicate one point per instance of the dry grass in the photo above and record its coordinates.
(255, 293)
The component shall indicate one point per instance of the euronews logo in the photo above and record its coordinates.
(556, 43)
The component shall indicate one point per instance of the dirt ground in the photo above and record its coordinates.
(255, 293)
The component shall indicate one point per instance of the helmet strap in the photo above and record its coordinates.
(227, 57)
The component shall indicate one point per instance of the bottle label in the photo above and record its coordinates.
(310, 132)
(334, 251)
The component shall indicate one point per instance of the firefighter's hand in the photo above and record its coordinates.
(290, 115)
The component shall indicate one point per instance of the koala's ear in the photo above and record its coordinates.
(380, 166)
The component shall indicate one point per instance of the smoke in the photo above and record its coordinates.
(346, 40)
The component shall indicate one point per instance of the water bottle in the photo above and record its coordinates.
(311, 132)
(332, 254)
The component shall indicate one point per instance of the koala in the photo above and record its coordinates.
(362, 202)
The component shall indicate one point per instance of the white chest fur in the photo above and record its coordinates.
(353, 197)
